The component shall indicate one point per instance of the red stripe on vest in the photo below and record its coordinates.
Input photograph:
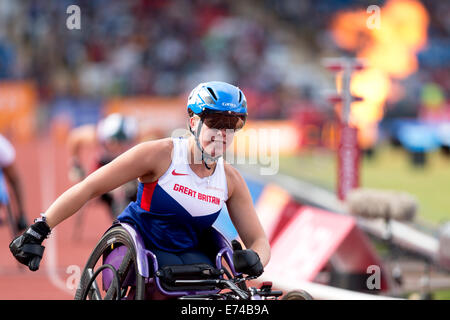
(147, 194)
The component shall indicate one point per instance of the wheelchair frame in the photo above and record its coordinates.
(147, 264)
(147, 269)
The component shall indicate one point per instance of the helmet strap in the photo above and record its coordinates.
(205, 155)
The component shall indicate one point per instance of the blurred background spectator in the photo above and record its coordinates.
(164, 48)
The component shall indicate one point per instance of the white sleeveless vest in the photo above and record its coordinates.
(172, 211)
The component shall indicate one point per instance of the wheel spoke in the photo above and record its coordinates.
(94, 291)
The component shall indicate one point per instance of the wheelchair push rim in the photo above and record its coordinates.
(111, 272)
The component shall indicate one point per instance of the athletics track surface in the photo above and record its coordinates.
(43, 166)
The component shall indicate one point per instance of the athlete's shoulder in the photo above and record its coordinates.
(161, 146)
(155, 152)
(229, 169)
(154, 155)
(235, 180)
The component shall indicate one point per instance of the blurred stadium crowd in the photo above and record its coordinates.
(164, 48)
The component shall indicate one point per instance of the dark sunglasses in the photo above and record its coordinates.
(222, 121)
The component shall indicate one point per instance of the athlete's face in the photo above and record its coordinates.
(216, 141)
(216, 134)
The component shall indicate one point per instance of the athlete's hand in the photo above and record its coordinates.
(27, 248)
(76, 172)
(248, 262)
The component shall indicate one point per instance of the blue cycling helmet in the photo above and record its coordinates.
(217, 97)
(211, 98)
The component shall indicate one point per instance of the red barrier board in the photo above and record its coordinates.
(307, 243)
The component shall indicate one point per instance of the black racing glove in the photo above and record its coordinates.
(248, 262)
(27, 248)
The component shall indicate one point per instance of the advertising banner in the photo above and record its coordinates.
(157, 117)
(18, 102)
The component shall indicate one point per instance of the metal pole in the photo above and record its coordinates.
(346, 93)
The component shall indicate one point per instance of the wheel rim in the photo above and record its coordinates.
(297, 295)
(93, 290)
(98, 282)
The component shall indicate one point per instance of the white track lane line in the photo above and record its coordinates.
(48, 193)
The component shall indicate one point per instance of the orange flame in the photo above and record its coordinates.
(389, 52)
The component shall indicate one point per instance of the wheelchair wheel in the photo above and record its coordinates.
(113, 263)
(11, 220)
(297, 295)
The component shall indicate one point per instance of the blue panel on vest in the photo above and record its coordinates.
(167, 226)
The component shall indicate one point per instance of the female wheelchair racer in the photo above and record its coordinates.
(183, 184)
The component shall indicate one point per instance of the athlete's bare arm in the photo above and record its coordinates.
(81, 137)
(145, 159)
(243, 215)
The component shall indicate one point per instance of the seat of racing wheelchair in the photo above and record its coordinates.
(201, 271)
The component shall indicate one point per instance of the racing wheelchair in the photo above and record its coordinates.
(5, 206)
(129, 271)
